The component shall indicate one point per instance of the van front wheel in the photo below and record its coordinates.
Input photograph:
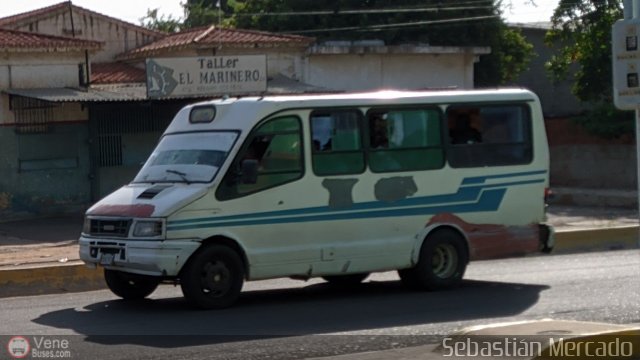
(442, 263)
(130, 286)
(213, 277)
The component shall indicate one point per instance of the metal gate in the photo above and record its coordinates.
(122, 136)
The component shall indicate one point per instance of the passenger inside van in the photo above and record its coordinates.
(379, 132)
(463, 132)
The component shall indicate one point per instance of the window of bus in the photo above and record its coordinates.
(337, 142)
(405, 139)
(489, 135)
(277, 147)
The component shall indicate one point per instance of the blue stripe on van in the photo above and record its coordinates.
(489, 201)
(482, 179)
(467, 199)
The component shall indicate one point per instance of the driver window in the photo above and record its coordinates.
(277, 147)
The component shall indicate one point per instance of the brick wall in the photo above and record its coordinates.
(581, 160)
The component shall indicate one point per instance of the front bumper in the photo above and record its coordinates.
(146, 257)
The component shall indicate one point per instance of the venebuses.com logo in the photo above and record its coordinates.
(18, 347)
(39, 347)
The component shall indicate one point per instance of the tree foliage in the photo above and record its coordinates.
(208, 12)
(160, 22)
(582, 36)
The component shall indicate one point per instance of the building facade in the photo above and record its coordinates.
(76, 121)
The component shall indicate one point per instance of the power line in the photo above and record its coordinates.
(396, 25)
(359, 12)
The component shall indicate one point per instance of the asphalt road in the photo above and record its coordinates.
(286, 319)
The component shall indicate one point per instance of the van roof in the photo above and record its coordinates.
(379, 95)
(232, 112)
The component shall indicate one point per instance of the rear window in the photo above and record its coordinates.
(489, 135)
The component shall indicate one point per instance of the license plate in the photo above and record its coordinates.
(106, 259)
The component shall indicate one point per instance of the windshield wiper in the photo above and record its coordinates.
(179, 173)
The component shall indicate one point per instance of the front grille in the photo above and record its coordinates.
(100, 227)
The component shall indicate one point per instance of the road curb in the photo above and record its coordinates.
(76, 277)
(519, 340)
(595, 239)
(40, 280)
(558, 339)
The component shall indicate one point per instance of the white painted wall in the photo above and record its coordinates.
(355, 72)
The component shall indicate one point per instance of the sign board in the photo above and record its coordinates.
(626, 63)
(216, 75)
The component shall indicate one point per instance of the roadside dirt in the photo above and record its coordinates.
(41, 253)
(40, 241)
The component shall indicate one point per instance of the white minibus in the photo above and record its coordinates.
(333, 186)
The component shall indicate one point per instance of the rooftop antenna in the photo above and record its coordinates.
(219, 24)
(73, 29)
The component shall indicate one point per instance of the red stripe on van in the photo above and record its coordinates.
(135, 210)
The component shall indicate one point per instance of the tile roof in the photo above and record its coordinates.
(116, 73)
(48, 11)
(213, 36)
(12, 40)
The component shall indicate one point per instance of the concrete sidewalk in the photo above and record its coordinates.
(40, 256)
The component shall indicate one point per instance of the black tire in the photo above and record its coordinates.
(213, 277)
(345, 280)
(442, 262)
(130, 286)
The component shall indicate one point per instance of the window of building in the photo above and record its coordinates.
(277, 147)
(405, 139)
(337, 142)
(489, 135)
(32, 116)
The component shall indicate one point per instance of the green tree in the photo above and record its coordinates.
(582, 36)
(208, 12)
(160, 22)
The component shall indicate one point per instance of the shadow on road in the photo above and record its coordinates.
(315, 309)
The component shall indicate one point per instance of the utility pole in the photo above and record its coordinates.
(626, 70)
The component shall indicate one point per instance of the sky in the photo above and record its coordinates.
(132, 10)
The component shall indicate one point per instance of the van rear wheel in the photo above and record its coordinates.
(345, 280)
(130, 286)
(442, 263)
(213, 277)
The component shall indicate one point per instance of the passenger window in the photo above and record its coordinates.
(337, 142)
(277, 147)
(492, 135)
(405, 140)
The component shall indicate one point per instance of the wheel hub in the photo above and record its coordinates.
(215, 279)
(444, 261)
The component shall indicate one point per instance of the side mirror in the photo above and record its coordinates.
(249, 171)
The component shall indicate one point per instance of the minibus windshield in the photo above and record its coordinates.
(187, 157)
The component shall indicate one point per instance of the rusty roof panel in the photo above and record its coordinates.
(278, 85)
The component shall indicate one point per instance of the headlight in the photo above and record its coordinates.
(148, 229)
(86, 227)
